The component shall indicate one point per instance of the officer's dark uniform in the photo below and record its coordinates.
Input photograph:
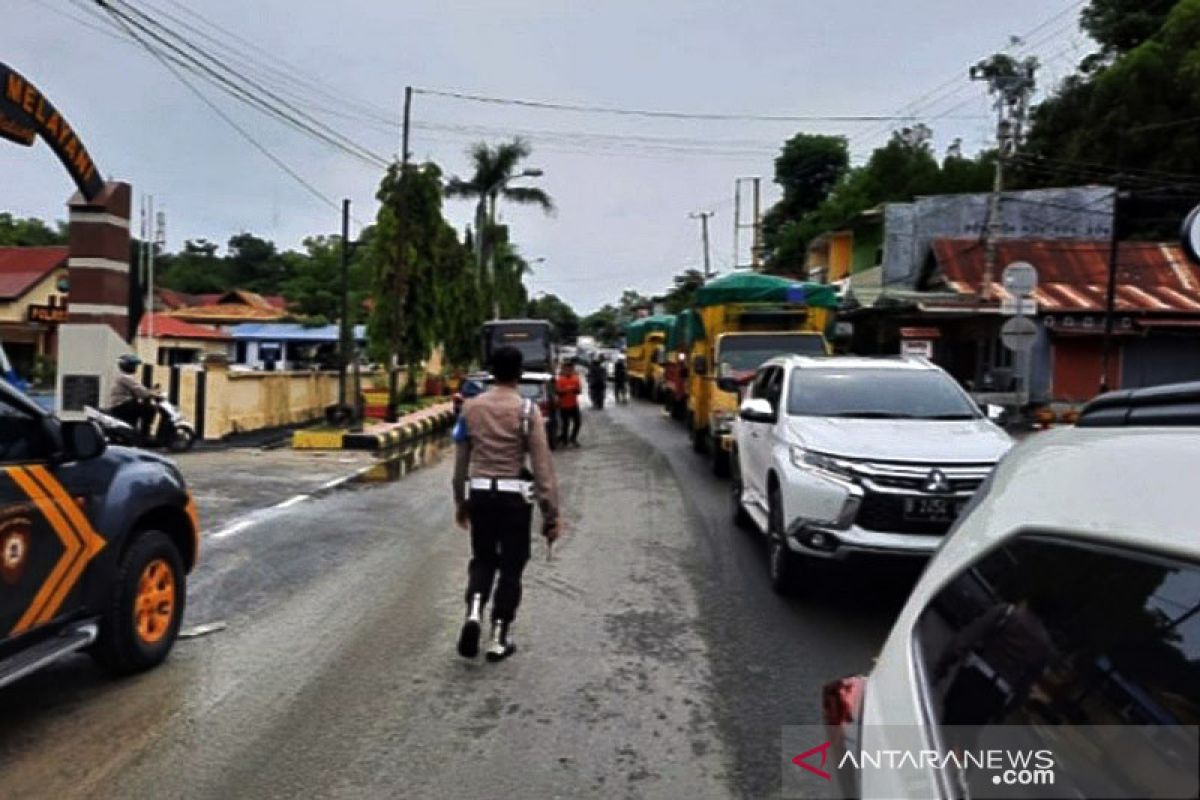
(499, 428)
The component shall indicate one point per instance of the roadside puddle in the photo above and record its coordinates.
(396, 464)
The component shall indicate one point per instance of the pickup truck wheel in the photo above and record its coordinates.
(142, 620)
(783, 567)
(740, 518)
(678, 409)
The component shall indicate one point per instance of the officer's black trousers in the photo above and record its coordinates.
(569, 421)
(500, 542)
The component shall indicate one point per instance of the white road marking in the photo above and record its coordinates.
(232, 528)
(291, 501)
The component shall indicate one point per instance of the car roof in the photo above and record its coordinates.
(17, 398)
(1122, 486)
(910, 363)
(1170, 405)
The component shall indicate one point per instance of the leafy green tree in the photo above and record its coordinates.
(30, 232)
(194, 270)
(1121, 25)
(604, 324)
(551, 307)
(681, 294)
(807, 169)
(314, 285)
(1131, 111)
(410, 251)
(256, 264)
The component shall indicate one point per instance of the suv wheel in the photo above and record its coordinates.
(142, 620)
(740, 518)
(783, 567)
(721, 459)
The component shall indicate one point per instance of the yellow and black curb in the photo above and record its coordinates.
(387, 436)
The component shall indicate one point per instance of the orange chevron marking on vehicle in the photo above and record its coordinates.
(80, 542)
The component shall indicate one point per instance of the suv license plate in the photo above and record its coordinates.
(932, 509)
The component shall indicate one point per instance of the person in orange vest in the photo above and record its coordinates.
(568, 386)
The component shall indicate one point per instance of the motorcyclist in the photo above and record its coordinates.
(130, 401)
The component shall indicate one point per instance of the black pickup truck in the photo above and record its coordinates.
(96, 543)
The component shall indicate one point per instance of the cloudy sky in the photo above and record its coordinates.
(625, 185)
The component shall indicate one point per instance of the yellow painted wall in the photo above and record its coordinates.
(841, 255)
(39, 295)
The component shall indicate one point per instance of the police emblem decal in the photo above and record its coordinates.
(14, 550)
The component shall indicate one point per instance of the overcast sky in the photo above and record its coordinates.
(623, 202)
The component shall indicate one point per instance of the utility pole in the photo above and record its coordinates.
(143, 244)
(159, 237)
(405, 129)
(1110, 294)
(346, 334)
(703, 217)
(755, 224)
(1012, 83)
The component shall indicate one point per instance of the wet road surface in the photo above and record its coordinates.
(654, 659)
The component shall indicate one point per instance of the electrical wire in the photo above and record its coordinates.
(288, 114)
(229, 120)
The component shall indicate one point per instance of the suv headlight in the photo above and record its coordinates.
(807, 459)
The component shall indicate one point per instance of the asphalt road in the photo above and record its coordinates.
(654, 659)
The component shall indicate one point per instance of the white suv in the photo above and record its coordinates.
(846, 455)
(1067, 596)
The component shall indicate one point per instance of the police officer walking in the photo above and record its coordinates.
(493, 494)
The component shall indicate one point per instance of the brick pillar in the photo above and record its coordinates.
(98, 258)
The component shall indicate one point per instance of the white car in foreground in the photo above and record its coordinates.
(847, 455)
(1061, 618)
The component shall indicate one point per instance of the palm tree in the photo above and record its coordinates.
(495, 167)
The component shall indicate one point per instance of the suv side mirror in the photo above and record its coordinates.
(995, 413)
(82, 440)
(728, 384)
(700, 365)
(757, 410)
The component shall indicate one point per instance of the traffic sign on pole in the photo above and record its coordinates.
(1191, 235)
(1019, 334)
(1020, 279)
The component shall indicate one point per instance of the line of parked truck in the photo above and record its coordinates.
(737, 322)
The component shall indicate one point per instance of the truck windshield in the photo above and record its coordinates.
(878, 394)
(747, 353)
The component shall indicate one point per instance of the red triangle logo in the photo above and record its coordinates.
(802, 760)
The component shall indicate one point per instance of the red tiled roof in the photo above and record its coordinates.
(1073, 275)
(170, 327)
(22, 268)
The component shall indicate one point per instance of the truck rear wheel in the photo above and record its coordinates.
(700, 439)
(720, 464)
(142, 620)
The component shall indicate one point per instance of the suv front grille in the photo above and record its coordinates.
(887, 487)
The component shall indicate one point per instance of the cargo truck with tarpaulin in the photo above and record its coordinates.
(686, 334)
(645, 344)
(746, 318)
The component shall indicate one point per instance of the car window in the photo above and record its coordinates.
(774, 388)
(871, 392)
(22, 436)
(1043, 632)
(761, 380)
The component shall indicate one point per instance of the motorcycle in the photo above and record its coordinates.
(172, 432)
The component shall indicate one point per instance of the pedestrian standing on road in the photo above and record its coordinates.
(621, 380)
(568, 387)
(597, 382)
(493, 496)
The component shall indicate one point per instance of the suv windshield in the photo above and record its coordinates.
(877, 394)
(746, 353)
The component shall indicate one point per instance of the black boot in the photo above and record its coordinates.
(502, 645)
(468, 638)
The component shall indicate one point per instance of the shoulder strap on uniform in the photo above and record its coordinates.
(526, 420)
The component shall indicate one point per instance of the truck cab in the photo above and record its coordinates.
(96, 544)
(745, 320)
(646, 341)
(533, 337)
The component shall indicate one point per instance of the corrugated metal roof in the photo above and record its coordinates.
(1073, 276)
(169, 327)
(22, 268)
(290, 332)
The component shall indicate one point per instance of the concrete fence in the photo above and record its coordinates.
(221, 401)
